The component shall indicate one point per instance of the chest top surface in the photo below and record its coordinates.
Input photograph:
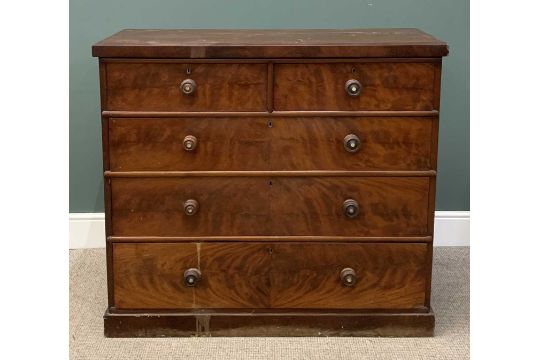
(293, 43)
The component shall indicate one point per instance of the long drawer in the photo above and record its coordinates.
(283, 206)
(295, 143)
(269, 275)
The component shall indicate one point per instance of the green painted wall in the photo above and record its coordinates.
(91, 21)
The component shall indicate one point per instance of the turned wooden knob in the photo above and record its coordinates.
(190, 143)
(192, 277)
(348, 277)
(191, 207)
(188, 86)
(351, 143)
(353, 87)
(351, 209)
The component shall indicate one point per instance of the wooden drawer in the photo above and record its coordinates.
(260, 206)
(228, 144)
(158, 144)
(151, 275)
(318, 143)
(270, 275)
(388, 206)
(155, 206)
(156, 87)
(385, 86)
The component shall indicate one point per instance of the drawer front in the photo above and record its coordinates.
(270, 275)
(156, 206)
(380, 143)
(384, 86)
(258, 206)
(383, 143)
(162, 144)
(151, 276)
(390, 276)
(385, 206)
(157, 87)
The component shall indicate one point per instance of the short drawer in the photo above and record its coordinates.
(354, 86)
(189, 144)
(350, 206)
(352, 143)
(185, 87)
(160, 206)
(260, 206)
(228, 144)
(151, 276)
(269, 275)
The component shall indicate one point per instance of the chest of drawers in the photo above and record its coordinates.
(269, 182)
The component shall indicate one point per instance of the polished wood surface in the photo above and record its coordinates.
(248, 323)
(386, 86)
(151, 276)
(269, 275)
(248, 114)
(239, 144)
(249, 192)
(156, 87)
(290, 43)
(311, 205)
(306, 276)
(222, 144)
(279, 206)
(255, 173)
(228, 206)
(389, 143)
(308, 238)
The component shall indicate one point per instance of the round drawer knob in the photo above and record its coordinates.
(353, 87)
(192, 277)
(190, 143)
(188, 86)
(351, 143)
(348, 277)
(191, 207)
(351, 209)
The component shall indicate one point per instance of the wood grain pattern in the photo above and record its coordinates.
(247, 114)
(389, 143)
(244, 323)
(106, 183)
(308, 238)
(256, 173)
(289, 43)
(386, 86)
(228, 206)
(284, 206)
(151, 276)
(237, 144)
(156, 87)
(156, 144)
(270, 175)
(306, 276)
(269, 275)
(388, 206)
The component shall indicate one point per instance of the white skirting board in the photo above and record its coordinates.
(87, 230)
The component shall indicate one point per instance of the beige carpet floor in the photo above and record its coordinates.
(450, 301)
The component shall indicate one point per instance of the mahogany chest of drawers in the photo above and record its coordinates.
(269, 182)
